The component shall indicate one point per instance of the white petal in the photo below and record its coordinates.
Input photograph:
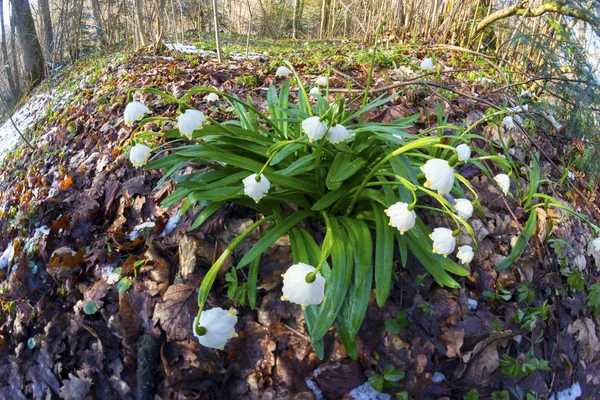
(322, 81)
(443, 241)
(337, 134)
(297, 290)
(219, 325)
(463, 208)
(256, 190)
(314, 128)
(212, 97)
(314, 91)
(138, 155)
(596, 244)
(427, 64)
(190, 121)
(508, 122)
(134, 111)
(503, 181)
(465, 254)
(463, 151)
(400, 217)
(439, 175)
(282, 72)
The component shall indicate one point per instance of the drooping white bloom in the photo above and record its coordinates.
(400, 217)
(219, 326)
(337, 134)
(135, 111)
(256, 189)
(465, 254)
(314, 91)
(314, 128)
(463, 208)
(322, 81)
(138, 155)
(427, 64)
(297, 290)
(212, 97)
(596, 243)
(463, 151)
(508, 122)
(443, 241)
(503, 181)
(439, 175)
(190, 121)
(282, 72)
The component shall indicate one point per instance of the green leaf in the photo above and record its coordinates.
(384, 255)
(376, 382)
(338, 283)
(395, 325)
(575, 280)
(252, 278)
(90, 308)
(329, 199)
(594, 297)
(342, 168)
(521, 242)
(393, 376)
(205, 215)
(272, 235)
(124, 284)
(472, 395)
(355, 305)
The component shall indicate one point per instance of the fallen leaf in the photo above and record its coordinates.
(584, 331)
(177, 311)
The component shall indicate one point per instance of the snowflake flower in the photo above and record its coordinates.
(217, 326)
(463, 208)
(190, 121)
(138, 155)
(134, 112)
(443, 241)
(400, 217)
(465, 254)
(314, 128)
(439, 175)
(256, 189)
(297, 290)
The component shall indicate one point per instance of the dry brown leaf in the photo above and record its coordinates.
(177, 311)
(584, 331)
(453, 339)
(483, 360)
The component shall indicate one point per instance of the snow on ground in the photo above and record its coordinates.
(191, 49)
(25, 117)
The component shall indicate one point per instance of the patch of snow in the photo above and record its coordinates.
(366, 392)
(472, 304)
(135, 233)
(438, 377)
(167, 58)
(315, 389)
(572, 393)
(7, 256)
(189, 49)
(171, 224)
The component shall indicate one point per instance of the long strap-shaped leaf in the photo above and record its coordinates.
(272, 235)
(384, 255)
(338, 283)
(355, 305)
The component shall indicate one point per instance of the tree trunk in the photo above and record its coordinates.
(47, 28)
(295, 19)
(139, 20)
(28, 38)
(98, 18)
(217, 36)
(324, 18)
(9, 73)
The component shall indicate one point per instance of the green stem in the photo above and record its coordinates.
(370, 76)
(407, 147)
(210, 277)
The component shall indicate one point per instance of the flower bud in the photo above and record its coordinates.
(463, 151)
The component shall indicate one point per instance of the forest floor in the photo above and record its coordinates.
(92, 309)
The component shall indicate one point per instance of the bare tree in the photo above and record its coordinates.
(217, 36)
(28, 38)
(7, 67)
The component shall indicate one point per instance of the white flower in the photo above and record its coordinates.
(463, 208)
(138, 155)
(282, 72)
(427, 64)
(256, 189)
(596, 243)
(508, 122)
(465, 254)
(463, 151)
(135, 111)
(297, 290)
(337, 134)
(400, 217)
(314, 128)
(439, 175)
(219, 327)
(322, 81)
(314, 91)
(190, 121)
(443, 241)
(212, 97)
(503, 181)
